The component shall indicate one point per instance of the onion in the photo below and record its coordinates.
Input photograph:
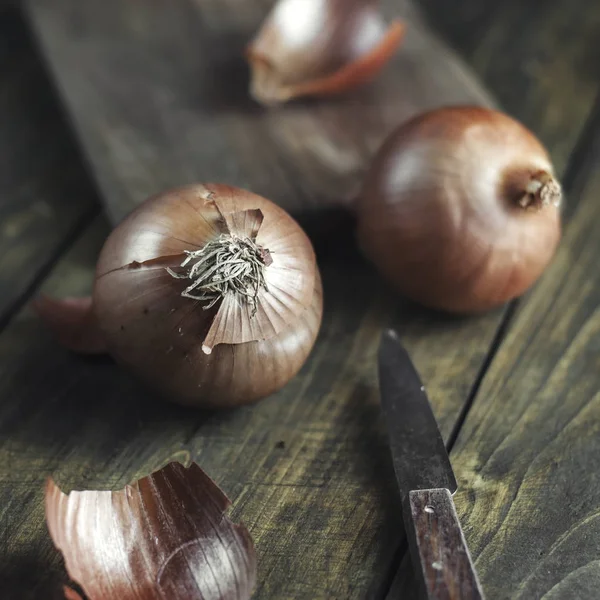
(318, 48)
(167, 536)
(460, 209)
(209, 293)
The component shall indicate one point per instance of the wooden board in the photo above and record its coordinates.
(322, 509)
(41, 409)
(44, 193)
(550, 87)
(540, 58)
(158, 91)
(530, 492)
(528, 452)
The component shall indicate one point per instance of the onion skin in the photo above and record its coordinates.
(160, 335)
(444, 212)
(72, 322)
(319, 48)
(166, 536)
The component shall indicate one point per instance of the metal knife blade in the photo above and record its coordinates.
(420, 458)
(439, 551)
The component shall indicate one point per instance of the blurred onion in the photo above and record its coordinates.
(319, 48)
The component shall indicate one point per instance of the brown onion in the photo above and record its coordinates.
(167, 536)
(223, 343)
(460, 209)
(319, 47)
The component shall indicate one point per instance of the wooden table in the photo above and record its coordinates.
(516, 391)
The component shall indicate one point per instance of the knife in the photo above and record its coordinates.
(437, 544)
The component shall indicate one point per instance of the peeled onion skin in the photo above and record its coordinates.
(159, 335)
(460, 209)
(319, 48)
(164, 537)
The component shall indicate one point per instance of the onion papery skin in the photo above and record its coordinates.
(319, 48)
(439, 212)
(164, 537)
(159, 335)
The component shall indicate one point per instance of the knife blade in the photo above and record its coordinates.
(426, 480)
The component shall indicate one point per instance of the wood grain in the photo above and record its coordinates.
(546, 76)
(158, 90)
(530, 495)
(540, 59)
(527, 456)
(438, 547)
(31, 445)
(308, 469)
(44, 193)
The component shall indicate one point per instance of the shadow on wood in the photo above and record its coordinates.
(17, 573)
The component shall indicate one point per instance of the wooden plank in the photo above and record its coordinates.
(540, 59)
(529, 495)
(6, 4)
(30, 445)
(44, 193)
(158, 91)
(550, 87)
(322, 509)
(309, 469)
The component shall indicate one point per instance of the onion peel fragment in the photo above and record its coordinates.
(268, 89)
(164, 537)
(72, 322)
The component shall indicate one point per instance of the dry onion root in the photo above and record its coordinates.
(209, 293)
(460, 209)
(165, 537)
(319, 48)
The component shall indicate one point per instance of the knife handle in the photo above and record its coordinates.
(439, 550)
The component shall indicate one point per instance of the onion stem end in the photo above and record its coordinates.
(541, 190)
(227, 264)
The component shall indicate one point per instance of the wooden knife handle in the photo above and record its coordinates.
(439, 551)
